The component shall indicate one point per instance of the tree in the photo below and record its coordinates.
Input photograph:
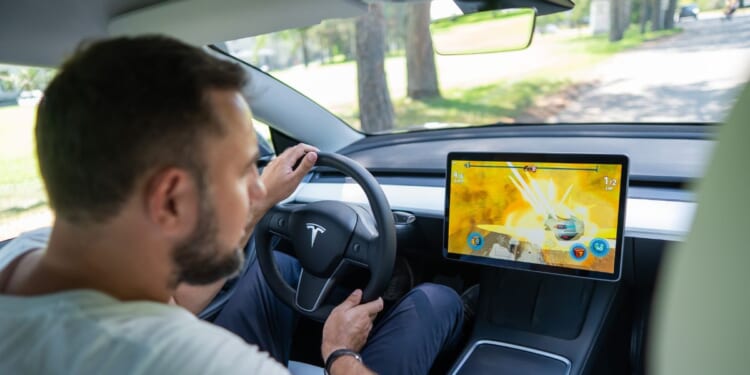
(657, 16)
(645, 10)
(375, 107)
(303, 45)
(669, 14)
(619, 18)
(337, 38)
(420, 57)
(25, 79)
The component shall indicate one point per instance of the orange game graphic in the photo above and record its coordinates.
(557, 214)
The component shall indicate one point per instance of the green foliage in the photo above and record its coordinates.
(579, 15)
(24, 78)
(704, 5)
(488, 104)
(484, 105)
(600, 44)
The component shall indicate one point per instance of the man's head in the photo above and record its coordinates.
(154, 126)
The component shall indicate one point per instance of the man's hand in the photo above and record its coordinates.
(281, 179)
(349, 324)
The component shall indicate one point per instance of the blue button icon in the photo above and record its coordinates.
(475, 241)
(578, 252)
(599, 246)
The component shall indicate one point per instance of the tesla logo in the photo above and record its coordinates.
(315, 229)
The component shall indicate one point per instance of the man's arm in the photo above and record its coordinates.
(347, 328)
(280, 179)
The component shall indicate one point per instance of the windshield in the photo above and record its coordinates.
(635, 61)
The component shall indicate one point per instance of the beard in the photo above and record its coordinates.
(200, 259)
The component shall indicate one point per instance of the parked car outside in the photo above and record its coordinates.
(688, 11)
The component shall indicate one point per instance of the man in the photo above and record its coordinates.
(148, 154)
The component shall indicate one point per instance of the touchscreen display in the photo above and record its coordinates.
(538, 213)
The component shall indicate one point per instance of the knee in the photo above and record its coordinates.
(443, 300)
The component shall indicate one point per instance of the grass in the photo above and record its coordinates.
(487, 104)
(600, 44)
(21, 190)
(483, 105)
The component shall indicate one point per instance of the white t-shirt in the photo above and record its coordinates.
(88, 332)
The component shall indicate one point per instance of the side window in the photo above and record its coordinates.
(264, 138)
(23, 201)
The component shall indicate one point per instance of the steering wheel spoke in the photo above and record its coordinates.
(363, 246)
(312, 291)
(276, 220)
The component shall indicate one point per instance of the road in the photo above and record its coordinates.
(694, 76)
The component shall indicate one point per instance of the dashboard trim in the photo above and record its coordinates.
(644, 218)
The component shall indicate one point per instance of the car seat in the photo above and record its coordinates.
(702, 303)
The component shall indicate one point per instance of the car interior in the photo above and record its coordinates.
(657, 289)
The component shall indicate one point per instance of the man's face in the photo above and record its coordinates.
(231, 181)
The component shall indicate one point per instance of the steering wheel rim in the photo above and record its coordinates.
(329, 223)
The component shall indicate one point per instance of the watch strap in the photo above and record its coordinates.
(338, 353)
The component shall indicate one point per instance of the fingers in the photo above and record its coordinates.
(308, 161)
(353, 300)
(349, 324)
(372, 308)
(294, 153)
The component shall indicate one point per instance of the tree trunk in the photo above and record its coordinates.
(619, 16)
(420, 57)
(375, 107)
(669, 14)
(615, 29)
(645, 14)
(303, 44)
(657, 16)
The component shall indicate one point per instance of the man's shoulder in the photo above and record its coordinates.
(174, 341)
(88, 332)
(195, 346)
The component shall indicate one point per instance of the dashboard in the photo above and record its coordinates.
(665, 162)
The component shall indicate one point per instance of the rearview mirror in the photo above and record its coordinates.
(484, 32)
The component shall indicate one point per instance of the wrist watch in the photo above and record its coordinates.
(340, 353)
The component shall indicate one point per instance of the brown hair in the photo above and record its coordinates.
(119, 107)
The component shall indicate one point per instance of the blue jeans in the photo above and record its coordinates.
(405, 340)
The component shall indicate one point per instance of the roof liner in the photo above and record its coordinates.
(43, 33)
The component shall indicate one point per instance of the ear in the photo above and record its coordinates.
(172, 200)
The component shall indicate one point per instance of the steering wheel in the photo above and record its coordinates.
(329, 236)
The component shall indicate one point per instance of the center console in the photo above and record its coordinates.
(495, 357)
(560, 217)
(531, 323)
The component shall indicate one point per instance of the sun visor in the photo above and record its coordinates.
(203, 22)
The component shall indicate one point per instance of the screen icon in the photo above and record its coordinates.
(475, 241)
(578, 252)
(599, 246)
